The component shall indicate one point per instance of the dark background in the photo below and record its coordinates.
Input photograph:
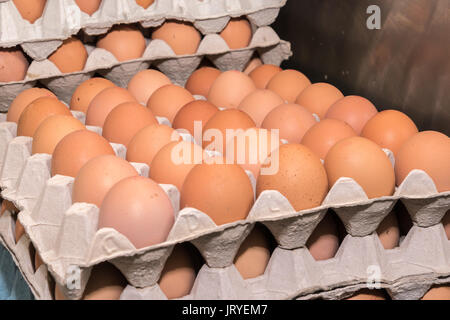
(405, 65)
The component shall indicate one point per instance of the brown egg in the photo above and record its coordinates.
(88, 6)
(71, 56)
(259, 103)
(37, 261)
(148, 141)
(8, 206)
(97, 177)
(230, 88)
(201, 80)
(178, 275)
(389, 232)
(251, 148)
(36, 112)
(222, 191)
(262, 75)
(238, 33)
(52, 130)
(76, 149)
(168, 100)
(321, 137)
(182, 37)
(368, 294)
(389, 129)
(354, 110)
(145, 83)
(30, 10)
(125, 42)
(19, 231)
(23, 99)
(292, 120)
(438, 292)
(87, 91)
(215, 130)
(138, 208)
(174, 161)
(319, 97)
(254, 254)
(300, 177)
(125, 120)
(104, 103)
(288, 84)
(446, 223)
(324, 241)
(252, 65)
(145, 3)
(428, 151)
(197, 110)
(363, 161)
(13, 65)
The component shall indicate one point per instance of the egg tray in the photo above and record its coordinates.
(265, 42)
(63, 18)
(66, 235)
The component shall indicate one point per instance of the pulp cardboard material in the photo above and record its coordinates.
(158, 53)
(66, 235)
(63, 18)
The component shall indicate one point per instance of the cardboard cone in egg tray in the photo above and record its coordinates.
(208, 18)
(66, 237)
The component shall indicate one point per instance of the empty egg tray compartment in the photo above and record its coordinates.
(159, 54)
(54, 225)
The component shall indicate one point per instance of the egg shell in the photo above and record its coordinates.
(323, 135)
(71, 56)
(363, 161)
(104, 103)
(198, 110)
(262, 75)
(88, 6)
(13, 65)
(23, 99)
(222, 121)
(168, 100)
(76, 149)
(148, 141)
(254, 254)
(30, 10)
(428, 151)
(389, 232)
(222, 191)
(292, 121)
(354, 110)
(300, 177)
(179, 273)
(174, 161)
(125, 42)
(324, 241)
(319, 97)
(145, 3)
(237, 34)
(288, 84)
(139, 209)
(98, 176)
(181, 36)
(145, 83)
(125, 120)
(87, 91)
(230, 88)
(389, 129)
(52, 130)
(36, 112)
(259, 103)
(201, 80)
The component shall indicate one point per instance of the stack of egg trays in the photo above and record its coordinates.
(43, 37)
(66, 236)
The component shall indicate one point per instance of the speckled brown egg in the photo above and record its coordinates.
(87, 91)
(319, 97)
(288, 84)
(182, 37)
(145, 83)
(23, 99)
(262, 75)
(71, 56)
(168, 100)
(201, 81)
(389, 232)
(237, 33)
(259, 103)
(125, 42)
(13, 65)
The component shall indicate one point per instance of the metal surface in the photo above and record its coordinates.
(405, 65)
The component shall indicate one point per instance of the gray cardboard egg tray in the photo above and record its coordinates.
(159, 54)
(66, 236)
(63, 18)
